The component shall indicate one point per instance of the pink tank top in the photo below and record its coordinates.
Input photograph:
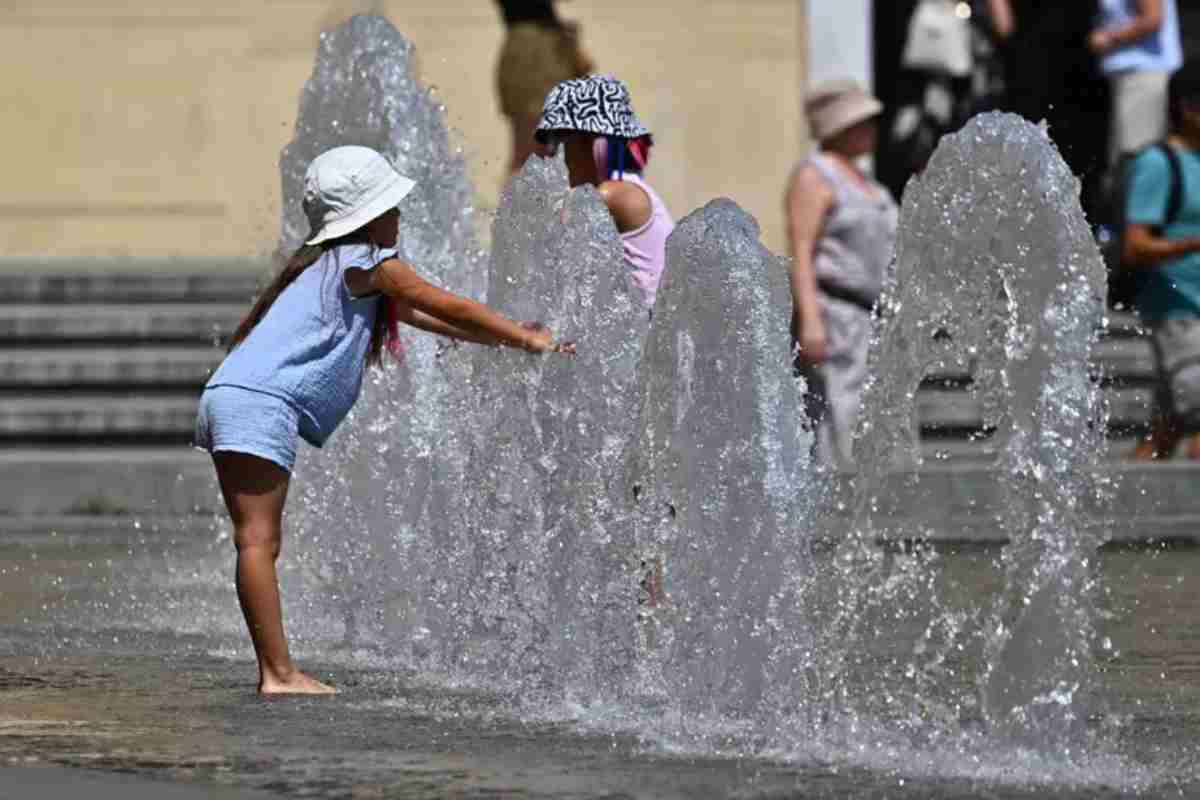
(646, 247)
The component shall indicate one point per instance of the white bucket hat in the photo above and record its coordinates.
(834, 106)
(347, 187)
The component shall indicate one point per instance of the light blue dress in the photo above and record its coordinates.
(300, 370)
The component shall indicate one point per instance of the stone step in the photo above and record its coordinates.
(980, 451)
(43, 368)
(93, 490)
(1125, 358)
(106, 481)
(56, 414)
(1120, 358)
(1122, 324)
(40, 366)
(955, 410)
(962, 502)
(150, 323)
(1124, 361)
(55, 282)
(93, 415)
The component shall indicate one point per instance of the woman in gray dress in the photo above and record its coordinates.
(842, 230)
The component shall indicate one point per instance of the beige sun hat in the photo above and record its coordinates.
(834, 106)
(347, 187)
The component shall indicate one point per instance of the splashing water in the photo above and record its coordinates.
(465, 519)
(996, 274)
(362, 91)
(399, 453)
(489, 515)
(720, 462)
(639, 527)
(542, 594)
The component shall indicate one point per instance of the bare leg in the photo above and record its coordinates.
(254, 490)
(1193, 447)
(1161, 442)
(652, 582)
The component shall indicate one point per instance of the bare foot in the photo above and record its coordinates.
(1147, 450)
(1193, 447)
(297, 683)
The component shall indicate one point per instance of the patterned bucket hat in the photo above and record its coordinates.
(596, 104)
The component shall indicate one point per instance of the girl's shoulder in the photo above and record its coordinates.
(357, 255)
(629, 204)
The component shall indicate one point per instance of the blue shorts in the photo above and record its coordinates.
(247, 421)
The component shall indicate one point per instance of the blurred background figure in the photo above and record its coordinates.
(605, 145)
(1162, 244)
(539, 51)
(1030, 57)
(1139, 47)
(949, 67)
(842, 230)
(1054, 76)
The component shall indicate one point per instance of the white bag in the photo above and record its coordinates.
(939, 40)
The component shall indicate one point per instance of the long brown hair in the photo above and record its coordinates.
(304, 257)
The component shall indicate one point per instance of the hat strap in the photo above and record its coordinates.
(614, 158)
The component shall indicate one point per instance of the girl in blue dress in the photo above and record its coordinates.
(296, 365)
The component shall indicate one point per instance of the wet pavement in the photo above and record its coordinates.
(100, 694)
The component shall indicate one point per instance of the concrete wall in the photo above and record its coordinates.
(839, 41)
(138, 129)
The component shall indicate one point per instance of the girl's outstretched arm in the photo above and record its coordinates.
(427, 322)
(400, 281)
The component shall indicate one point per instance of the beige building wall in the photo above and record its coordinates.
(138, 129)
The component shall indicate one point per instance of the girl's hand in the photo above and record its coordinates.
(542, 340)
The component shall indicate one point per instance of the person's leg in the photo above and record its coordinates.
(523, 143)
(845, 374)
(1193, 447)
(1160, 443)
(1164, 434)
(815, 401)
(255, 490)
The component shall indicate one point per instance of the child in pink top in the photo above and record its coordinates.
(607, 146)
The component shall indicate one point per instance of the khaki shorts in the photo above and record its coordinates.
(533, 60)
(1139, 111)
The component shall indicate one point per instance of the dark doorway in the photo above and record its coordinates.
(1049, 74)
(1189, 27)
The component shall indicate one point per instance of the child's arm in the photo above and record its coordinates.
(398, 280)
(1144, 247)
(628, 203)
(809, 200)
(419, 319)
(1146, 198)
(1003, 21)
(1147, 19)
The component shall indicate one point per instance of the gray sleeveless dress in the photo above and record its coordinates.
(851, 260)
